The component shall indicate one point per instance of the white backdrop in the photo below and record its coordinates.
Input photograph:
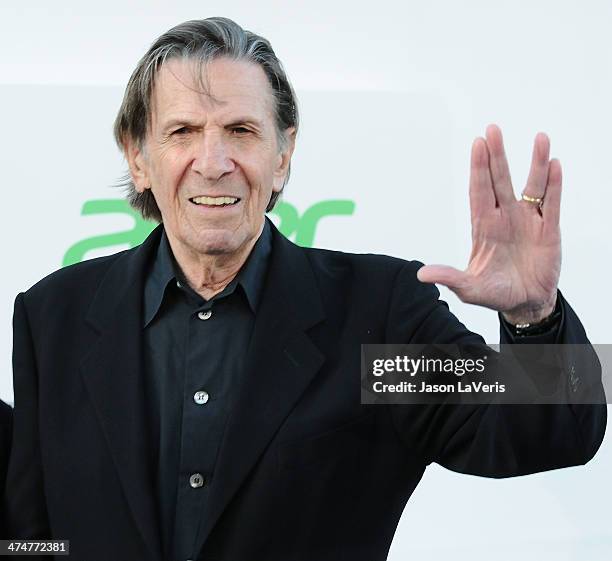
(392, 95)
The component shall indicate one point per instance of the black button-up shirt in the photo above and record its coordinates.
(194, 355)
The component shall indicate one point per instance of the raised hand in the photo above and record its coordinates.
(516, 244)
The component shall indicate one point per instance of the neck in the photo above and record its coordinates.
(209, 274)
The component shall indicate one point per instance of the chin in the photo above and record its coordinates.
(217, 243)
(215, 250)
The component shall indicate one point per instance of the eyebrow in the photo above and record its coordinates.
(243, 120)
(176, 122)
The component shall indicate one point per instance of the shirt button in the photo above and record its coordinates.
(196, 480)
(178, 284)
(205, 315)
(200, 397)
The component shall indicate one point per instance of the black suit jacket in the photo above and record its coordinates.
(304, 471)
(6, 431)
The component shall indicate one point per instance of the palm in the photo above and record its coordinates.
(515, 261)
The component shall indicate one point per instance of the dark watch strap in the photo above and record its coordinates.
(540, 328)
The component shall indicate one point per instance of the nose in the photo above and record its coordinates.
(212, 158)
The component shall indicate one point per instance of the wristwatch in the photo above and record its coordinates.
(540, 328)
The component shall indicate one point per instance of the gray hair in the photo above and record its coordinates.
(201, 41)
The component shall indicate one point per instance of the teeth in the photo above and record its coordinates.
(215, 201)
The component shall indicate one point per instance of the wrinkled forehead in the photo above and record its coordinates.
(213, 88)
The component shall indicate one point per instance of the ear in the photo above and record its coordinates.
(138, 165)
(283, 160)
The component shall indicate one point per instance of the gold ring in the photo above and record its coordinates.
(533, 200)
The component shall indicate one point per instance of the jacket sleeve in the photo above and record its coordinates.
(6, 431)
(25, 503)
(494, 440)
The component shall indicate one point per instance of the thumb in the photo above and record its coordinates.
(452, 278)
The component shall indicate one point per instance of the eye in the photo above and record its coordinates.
(240, 130)
(181, 131)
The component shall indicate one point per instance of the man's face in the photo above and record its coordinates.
(212, 159)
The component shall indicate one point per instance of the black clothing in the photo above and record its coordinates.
(6, 430)
(194, 358)
(304, 471)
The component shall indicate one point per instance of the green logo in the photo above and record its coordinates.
(303, 227)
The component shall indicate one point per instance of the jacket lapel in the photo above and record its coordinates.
(113, 374)
(281, 362)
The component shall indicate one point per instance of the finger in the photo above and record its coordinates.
(482, 197)
(538, 173)
(551, 208)
(500, 173)
(442, 274)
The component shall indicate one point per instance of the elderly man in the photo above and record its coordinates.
(197, 397)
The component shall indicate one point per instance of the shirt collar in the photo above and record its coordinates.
(165, 271)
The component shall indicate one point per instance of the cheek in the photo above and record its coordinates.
(259, 173)
(169, 173)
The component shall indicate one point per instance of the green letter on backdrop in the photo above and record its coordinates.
(142, 228)
(304, 227)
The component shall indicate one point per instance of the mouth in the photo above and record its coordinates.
(214, 202)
